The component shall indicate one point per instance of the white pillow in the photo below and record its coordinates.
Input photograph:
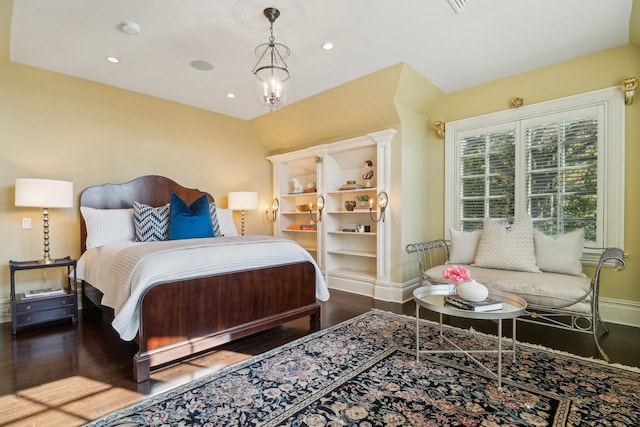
(560, 255)
(507, 249)
(225, 219)
(463, 246)
(105, 226)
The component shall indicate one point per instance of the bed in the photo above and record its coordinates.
(178, 316)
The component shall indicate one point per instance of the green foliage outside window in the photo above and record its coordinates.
(560, 176)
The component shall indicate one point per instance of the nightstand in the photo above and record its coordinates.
(32, 310)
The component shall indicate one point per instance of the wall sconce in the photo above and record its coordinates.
(382, 200)
(320, 206)
(275, 207)
(629, 87)
(439, 128)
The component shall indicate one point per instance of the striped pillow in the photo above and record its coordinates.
(214, 220)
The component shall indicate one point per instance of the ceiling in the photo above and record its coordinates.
(485, 41)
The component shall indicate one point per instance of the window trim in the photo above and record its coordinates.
(612, 101)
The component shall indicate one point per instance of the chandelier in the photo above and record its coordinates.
(271, 70)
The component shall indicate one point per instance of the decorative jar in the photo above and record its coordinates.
(472, 291)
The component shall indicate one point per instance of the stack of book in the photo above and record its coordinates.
(487, 304)
(43, 292)
(350, 187)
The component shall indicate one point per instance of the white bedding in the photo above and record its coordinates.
(123, 270)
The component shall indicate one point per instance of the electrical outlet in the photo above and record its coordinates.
(26, 223)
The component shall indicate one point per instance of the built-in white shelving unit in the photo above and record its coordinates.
(351, 260)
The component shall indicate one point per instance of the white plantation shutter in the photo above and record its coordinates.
(560, 161)
(487, 177)
(561, 172)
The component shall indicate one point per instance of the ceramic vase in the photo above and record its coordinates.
(472, 290)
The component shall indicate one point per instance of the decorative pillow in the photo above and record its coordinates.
(214, 219)
(227, 226)
(507, 249)
(151, 224)
(107, 225)
(464, 246)
(560, 255)
(189, 221)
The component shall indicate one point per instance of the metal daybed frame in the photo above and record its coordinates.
(436, 252)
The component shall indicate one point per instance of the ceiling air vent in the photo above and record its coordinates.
(460, 6)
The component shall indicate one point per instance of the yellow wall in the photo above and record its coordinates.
(6, 8)
(60, 127)
(349, 110)
(601, 70)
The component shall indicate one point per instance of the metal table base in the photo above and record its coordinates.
(500, 351)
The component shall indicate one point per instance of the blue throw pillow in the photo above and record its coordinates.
(189, 221)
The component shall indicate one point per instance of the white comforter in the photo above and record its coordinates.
(123, 270)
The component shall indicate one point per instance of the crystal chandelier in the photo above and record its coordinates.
(271, 70)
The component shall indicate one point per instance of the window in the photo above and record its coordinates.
(560, 161)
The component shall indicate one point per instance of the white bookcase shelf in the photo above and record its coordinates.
(351, 261)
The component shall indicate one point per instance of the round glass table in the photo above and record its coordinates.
(432, 298)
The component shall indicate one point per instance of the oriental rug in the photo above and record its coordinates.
(363, 372)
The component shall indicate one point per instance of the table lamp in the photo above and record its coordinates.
(243, 201)
(45, 194)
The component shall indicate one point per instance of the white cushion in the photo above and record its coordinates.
(464, 246)
(547, 289)
(507, 249)
(105, 226)
(560, 255)
(225, 219)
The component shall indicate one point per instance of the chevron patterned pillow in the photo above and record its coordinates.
(151, 224)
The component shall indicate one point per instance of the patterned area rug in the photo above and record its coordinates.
(364, 372)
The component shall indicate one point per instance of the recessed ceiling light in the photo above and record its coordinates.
(112, 59)
(327, 46)
(201, 65)
(231, 95)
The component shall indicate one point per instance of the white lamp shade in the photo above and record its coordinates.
(243, 201)
(44, 193)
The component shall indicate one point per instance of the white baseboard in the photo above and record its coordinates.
(395, 292)
(381, 291)
(618, 311)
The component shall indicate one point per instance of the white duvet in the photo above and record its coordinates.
(123, 270)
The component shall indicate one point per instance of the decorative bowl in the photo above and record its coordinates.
(305, 207)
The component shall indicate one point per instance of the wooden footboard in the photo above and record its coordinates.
(183, 318)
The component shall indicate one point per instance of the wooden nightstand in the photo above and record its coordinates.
(32, 310)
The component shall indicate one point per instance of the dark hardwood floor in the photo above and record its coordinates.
(61, 374)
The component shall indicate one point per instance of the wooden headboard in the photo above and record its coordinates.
(152, 190)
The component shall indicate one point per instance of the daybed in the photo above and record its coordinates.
(188, 308)
(558, 294)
